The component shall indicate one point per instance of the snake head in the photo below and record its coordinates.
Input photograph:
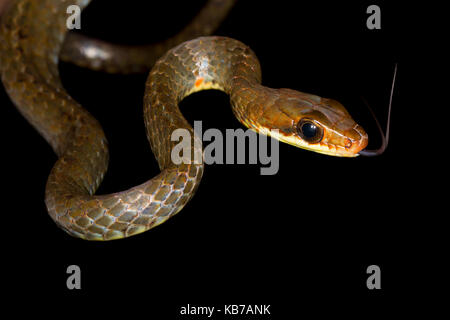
(313, 123)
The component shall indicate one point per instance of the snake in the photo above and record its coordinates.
(34, 37)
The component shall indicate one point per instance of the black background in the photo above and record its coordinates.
(300, 240)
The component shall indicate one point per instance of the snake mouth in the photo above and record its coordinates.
(339, 151)
(342, 144)
(347, 147)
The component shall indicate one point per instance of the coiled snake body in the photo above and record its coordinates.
(32, 34)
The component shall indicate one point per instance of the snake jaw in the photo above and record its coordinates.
(333, 143)
(322, 147)
(341, 138)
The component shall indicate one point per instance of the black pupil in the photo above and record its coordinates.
(309, 130)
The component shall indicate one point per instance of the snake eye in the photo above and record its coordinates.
(309, 131)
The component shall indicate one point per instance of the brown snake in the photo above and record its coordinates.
(32, 34)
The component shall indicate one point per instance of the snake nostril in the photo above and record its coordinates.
(348, 144)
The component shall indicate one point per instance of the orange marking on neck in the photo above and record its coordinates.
(198, 82)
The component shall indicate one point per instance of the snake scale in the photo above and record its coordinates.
(32, 35)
